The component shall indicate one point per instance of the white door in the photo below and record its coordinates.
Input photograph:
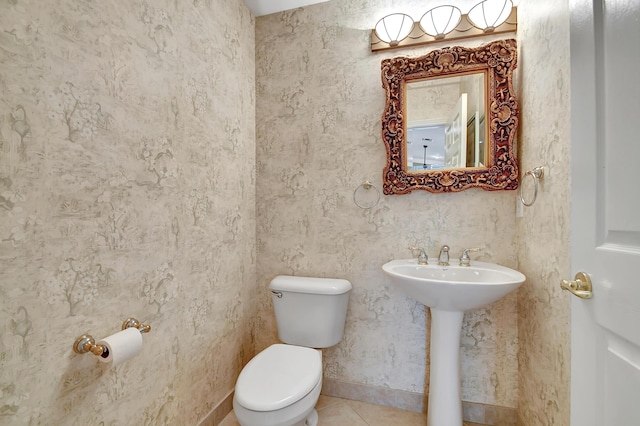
(477, 161)
(455, 146)
(605, 211)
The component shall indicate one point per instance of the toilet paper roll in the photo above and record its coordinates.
(121, 346)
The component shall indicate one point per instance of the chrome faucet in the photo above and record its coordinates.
(465, 260)
(422, 257)
(443, 258)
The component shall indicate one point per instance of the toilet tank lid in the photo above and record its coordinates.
(310, 285)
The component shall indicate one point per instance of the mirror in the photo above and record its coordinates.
(446, 122)
(450, 119)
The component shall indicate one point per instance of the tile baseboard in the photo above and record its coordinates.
(471, 411)
(219, 412)
(486, 414)
(405, 400)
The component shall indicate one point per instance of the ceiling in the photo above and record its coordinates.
(265, 7)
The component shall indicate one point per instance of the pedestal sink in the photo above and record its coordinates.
(450, 291)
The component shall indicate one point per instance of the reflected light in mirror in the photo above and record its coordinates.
(489, 14)
(425, 147)
(394, 28)
(440, 20)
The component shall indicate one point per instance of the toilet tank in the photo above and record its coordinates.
(309, 311)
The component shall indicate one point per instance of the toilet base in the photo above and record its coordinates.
(312, 419)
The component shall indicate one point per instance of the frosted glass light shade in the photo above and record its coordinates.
(489, 14)
(394, 28)
(440, 20)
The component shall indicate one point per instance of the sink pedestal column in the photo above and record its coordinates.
(445, 405)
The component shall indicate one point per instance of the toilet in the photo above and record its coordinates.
(281, 385)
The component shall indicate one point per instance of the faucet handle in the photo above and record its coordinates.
(443, 257)
(422, 257)
(465, 260)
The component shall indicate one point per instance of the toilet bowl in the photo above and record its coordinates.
(281, 385)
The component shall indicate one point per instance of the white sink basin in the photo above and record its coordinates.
(453, 288)
(450, 291)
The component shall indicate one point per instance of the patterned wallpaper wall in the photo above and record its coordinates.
(127, 188)
(128, 161)
(543, 232)
(319, 103)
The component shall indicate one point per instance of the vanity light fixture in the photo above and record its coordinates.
(444, 23)
(489, 14)
(394, 28)
(440, 21)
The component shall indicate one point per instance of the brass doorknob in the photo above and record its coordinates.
(580, 286)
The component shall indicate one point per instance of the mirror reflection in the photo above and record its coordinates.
(446, 122)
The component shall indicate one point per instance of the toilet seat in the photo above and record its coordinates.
(278, 376)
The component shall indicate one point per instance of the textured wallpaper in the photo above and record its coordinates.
(543, 232)
(319, 103)
(127, 188)
(153, 163)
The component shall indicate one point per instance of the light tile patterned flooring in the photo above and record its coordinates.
(345, 412)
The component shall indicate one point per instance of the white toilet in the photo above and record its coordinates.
(281, 385)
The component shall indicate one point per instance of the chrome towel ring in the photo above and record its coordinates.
(367, 204)
(537, 174)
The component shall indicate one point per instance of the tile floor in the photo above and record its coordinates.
(345, 412)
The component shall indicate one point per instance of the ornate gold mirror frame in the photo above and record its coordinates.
(498, 60)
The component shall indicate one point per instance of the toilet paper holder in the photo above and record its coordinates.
(86, 343)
